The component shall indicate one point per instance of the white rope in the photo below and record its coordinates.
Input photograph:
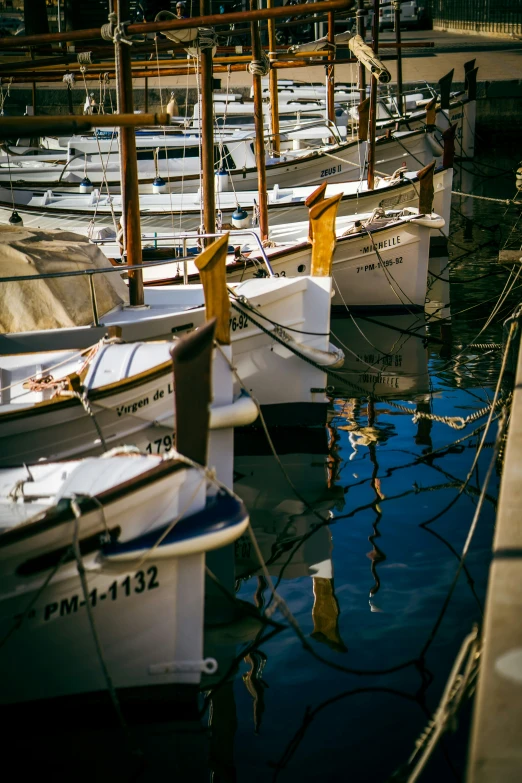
(259, 67)
(69, 79)
(85, 58)
(6, 94)
(114, 32)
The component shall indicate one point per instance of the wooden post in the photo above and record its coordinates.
(129, 166)
(33, 89)
(322, 222)
(373, 101)
(260, 136)
(146, 87)
(330, 70)
(310, 201)
(362, 32)
(401, 101)
(426, 189)
(207, 130)
(211, 264)
(272, 77)
(192, 365)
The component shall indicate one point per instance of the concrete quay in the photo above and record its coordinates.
(495, 754)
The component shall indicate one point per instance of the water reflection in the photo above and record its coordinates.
(385, 355)
(289, 513)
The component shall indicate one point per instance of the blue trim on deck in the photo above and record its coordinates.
(221, 512)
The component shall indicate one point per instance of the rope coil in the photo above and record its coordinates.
(85, 58)
(69, 79)
(259, 67)
(115, 32)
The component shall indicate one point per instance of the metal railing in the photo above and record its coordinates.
(488, 16)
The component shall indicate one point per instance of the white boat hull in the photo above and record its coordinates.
(291, 390)
(336, 164)
(146, 592)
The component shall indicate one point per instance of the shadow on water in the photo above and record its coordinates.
(360, 531)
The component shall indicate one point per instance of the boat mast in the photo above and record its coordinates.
(257, 59)
(330, 70)
(362, 32)
(272, 79)
(373, 101)
(208, 196)
(400, 96)
(130, 200)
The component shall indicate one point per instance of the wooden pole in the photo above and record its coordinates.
(143, 28)
(362, 32)
(207, 133)
(146, 88)
(259, 135)
(372, 124)
(129, 165)
(211, 264)
(33, 89)
(272, 77)
(330, 70)
(76, 123)
(400, 96)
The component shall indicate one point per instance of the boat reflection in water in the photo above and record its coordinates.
(386, 356)
(292, 531)
(291, 528)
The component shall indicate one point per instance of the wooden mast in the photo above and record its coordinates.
(259, 129)
(208, 196)
(130, 200)
(400, 102)
(362, 32)
(144, 28)
(272, 79)
(373, 101)
(330, 69)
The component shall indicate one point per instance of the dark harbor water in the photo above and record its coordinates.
(361, 536)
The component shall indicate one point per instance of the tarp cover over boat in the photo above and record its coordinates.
(54, 302)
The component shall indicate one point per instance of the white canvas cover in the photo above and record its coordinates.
(54, 302)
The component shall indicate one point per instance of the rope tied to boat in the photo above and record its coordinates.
(69, 79)
(259, 67)
(115, 32)
(459, 687)
(85, 58)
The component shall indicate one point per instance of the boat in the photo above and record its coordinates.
(162, 213)
(102, 567)
(380, 259)
(334, 163)
(279, 327)
(64, 404)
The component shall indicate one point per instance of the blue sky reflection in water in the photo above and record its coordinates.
(391, 575)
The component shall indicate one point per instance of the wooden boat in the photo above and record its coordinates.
(274, 322)
(103, 565)
(170, 212)
(291, 168)
(65, 404)
(381, 263)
